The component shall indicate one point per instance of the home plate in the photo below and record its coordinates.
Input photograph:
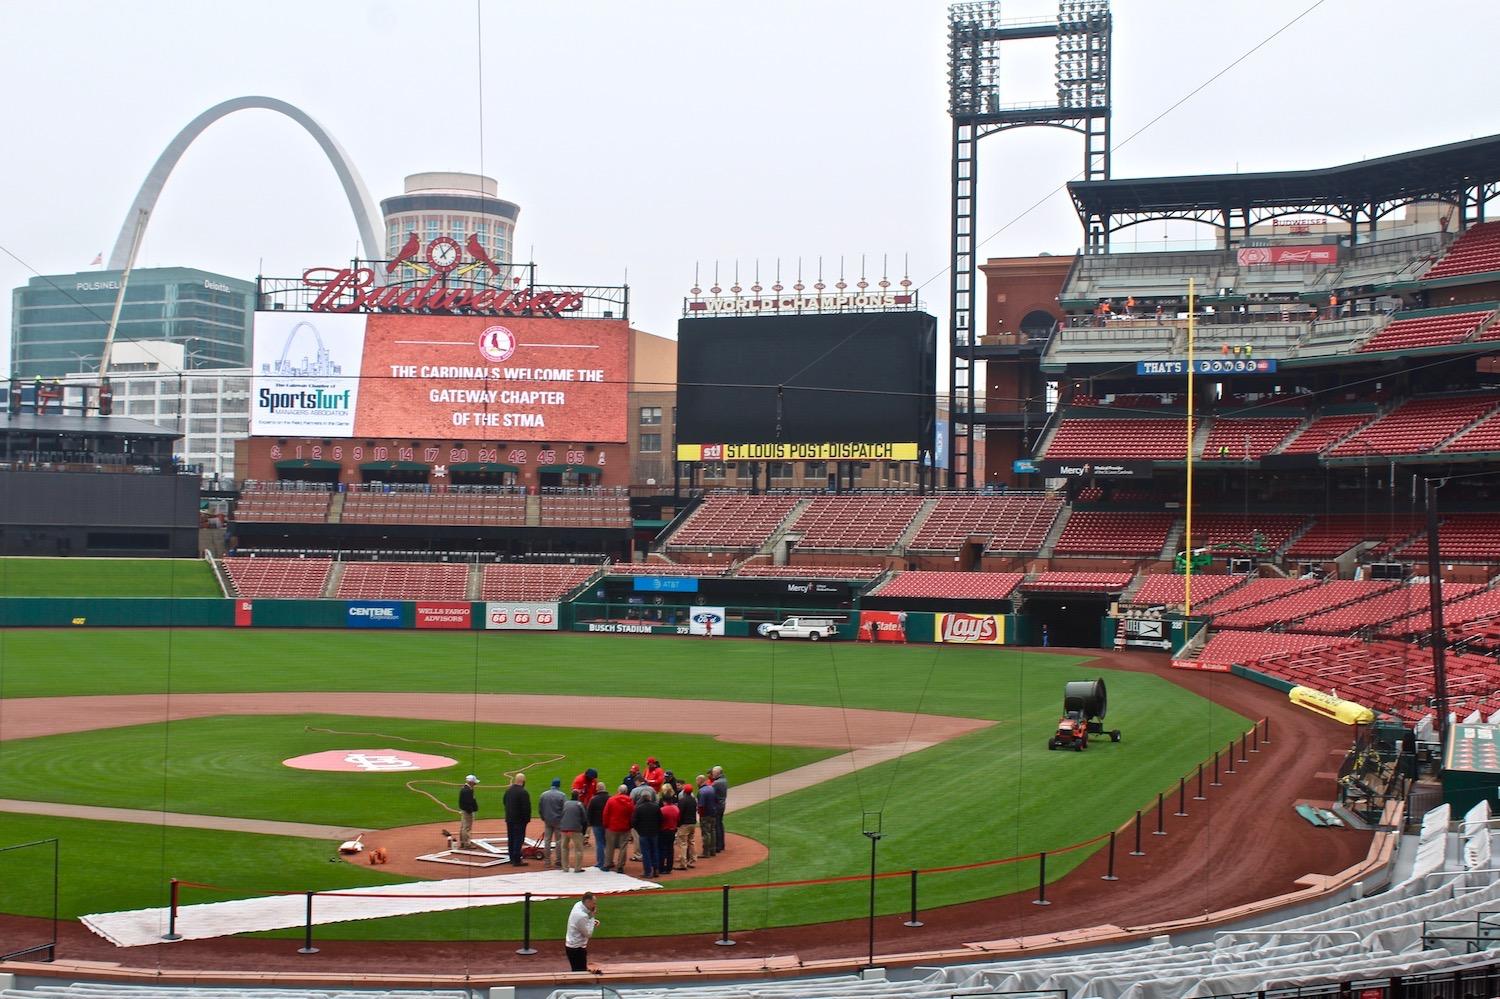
(138, 927)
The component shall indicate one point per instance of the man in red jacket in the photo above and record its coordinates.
(618, 813)
(587, 785)
(655, 775)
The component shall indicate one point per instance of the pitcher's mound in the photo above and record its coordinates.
(404, 845)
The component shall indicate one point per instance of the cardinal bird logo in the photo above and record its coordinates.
(407, 252)
(477, 252)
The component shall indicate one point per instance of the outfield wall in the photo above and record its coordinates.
(463, 615)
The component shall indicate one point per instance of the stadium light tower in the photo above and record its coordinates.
(976, 32)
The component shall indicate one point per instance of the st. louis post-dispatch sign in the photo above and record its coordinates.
(826, 451)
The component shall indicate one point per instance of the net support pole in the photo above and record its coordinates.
(1109, 875)
(307, 943)
(1229, 759)
(1200, 796)
(526, 950)
(1161, 821)
(172, 933)
(724, 940)
(1216, 782)
(913, 921)
(1181, 798)
(1041, 882)
(1137, 852)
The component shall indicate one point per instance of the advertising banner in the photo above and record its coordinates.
(825, 451)
(373, 614)
(882, 626)
(1323, 255)
(511, 616)
(970, 629)
(1210, 366)
(1146, 633)
(444, 377)
(1098, 469)
(706, 621)
(455, 615)
(665, 584)
(244, 613)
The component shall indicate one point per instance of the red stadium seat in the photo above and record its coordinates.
(1101, 532)
(1416, 426)
(1476, 251)
(277, 577)
(1427, 331)
(733, 522)
(1014, 523)
(929, 585)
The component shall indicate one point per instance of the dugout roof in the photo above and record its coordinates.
(1466, 173)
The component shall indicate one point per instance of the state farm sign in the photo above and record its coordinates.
(970, 629)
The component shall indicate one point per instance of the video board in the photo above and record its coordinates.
(848, 386)
(443, 377)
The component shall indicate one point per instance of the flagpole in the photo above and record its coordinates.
(1187, 583)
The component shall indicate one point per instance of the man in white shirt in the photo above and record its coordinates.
(581, 926)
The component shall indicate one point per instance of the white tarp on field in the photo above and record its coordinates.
(138, 927)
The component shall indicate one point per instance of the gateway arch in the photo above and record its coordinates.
(365, 211)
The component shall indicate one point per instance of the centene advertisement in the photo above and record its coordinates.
(452, 614)
(444, 377)
(970, 629)
(882, 626)
(374, 614)
(502, 616)
(706, 621)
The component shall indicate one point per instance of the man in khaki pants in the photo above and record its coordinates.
(687, 826)
(467, 806)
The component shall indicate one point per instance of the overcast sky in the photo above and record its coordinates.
(649, 137)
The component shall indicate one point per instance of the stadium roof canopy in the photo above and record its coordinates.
(1464, 173)
(81, 426)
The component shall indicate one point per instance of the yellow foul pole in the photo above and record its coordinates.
(1187, 540)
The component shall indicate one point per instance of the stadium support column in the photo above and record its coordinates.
(961, 308)
(1438, 635)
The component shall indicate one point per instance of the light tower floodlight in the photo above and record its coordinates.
(976, 32)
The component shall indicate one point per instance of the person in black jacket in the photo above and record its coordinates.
(468, 806)
(596, 827)
(647, 824)
(517, 815)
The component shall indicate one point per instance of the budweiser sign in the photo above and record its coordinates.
(971, 629)
(353, 289)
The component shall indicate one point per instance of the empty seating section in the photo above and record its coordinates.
(1301, 603)
(1462, 537)
(283, 506)
(1256, 591)
(594, 508)
(865, 523)
(477, 509)
(278, 577)
(1485, 436)
(950, 585)
(1169, 589)
(1120, 440)
(736, 523)
(659, 568)
(1246, 440)
(1101, 532)
(1014, 523)
(1390, 605)
(1250, 648)
(532, 581)
(1416, 426)
(1475, 252)
(1271, 529)
(1473, 607)
(1082, 582)
(1332, 535)
(404, 581)
(810, 571)
(1426, 331)
(1325, 431)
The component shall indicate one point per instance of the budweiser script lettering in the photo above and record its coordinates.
(969, 628)
(354, 290)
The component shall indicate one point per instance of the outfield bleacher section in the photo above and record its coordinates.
(733, 522)
(1416, 425)
(1462, 537)
(266, 503)
(1255, 591)
(851, 572)
(657, 567)
(1332, 535)
(277, 577)
(403, 581)
(1326, 431)
(859, 523)
(1475, 251)
(1231, 439)
(441, 508)
(1016, 523)
(1300, 603)
(1116, 439)
(1272, 530)
(1169, 589)
(1103, 532)
(1416, 332)
(594, 508)
(532, 581)
(935, 585)
(1380, 608)
(1071, 581)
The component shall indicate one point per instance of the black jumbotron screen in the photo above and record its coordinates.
(867, 377)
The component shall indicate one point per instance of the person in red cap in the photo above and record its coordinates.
(655, 775)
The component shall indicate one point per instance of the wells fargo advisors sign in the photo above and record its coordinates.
(825, 451)
(439, 377)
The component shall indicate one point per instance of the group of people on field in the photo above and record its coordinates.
(654, 817)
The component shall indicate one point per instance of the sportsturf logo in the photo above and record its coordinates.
(969, 628)
(315, 399)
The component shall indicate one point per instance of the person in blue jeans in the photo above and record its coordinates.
(596, 827)
(647, 824)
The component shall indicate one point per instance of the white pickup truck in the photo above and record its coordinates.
(811, 628)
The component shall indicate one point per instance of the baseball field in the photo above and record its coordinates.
(198, 722)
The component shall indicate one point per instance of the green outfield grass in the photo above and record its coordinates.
(996, 792)
(107, 577)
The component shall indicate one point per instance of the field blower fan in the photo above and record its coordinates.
(1085, 704)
